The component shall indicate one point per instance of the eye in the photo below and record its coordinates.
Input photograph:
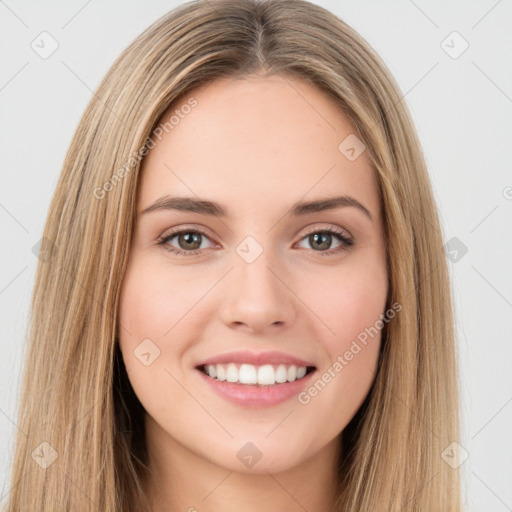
(320, 239)
(188, 239)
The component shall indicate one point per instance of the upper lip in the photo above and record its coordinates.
(256, 358)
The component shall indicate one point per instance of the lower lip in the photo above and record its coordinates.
(252, 395)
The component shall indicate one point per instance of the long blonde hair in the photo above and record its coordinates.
(76, 396)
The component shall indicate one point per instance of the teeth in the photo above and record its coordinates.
(248, 374)
(266, 375)
(291, 374)
(221, 372)
(231, 373)
(301, 372)
(281, 374)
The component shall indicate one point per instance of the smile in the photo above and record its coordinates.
(264, 375)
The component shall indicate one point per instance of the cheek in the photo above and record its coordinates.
(350, 304)
(159, 317)
(151, 305)
(154, 301)
(148, 311)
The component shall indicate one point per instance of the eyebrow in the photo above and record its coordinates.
(191, 204)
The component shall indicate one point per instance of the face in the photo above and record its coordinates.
(253, 288)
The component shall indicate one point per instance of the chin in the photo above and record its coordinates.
(258, 458)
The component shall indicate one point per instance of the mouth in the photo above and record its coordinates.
(256, 375)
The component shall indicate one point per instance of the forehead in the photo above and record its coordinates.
(256, 142)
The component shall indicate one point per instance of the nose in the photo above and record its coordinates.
(258, 297)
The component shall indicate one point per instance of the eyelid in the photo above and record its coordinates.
(327, 227)
(186, 227)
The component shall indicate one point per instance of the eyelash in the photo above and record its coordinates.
(347, 243)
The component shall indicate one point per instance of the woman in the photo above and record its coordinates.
(244, 300)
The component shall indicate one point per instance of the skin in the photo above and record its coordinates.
(256, 145)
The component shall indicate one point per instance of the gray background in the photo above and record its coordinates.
(462, 110)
